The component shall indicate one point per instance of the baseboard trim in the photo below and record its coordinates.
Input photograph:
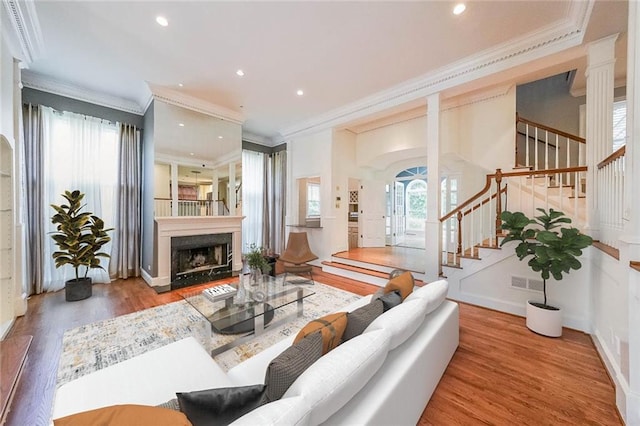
(515, 308)
(613, 370)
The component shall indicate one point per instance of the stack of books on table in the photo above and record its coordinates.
(220, 292)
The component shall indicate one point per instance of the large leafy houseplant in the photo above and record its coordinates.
(79, 236)
(552, 247)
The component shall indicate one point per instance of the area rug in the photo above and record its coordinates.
(98, 345)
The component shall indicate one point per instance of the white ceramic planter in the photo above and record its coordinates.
(544, 321)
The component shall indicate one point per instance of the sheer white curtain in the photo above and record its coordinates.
(80, 153)
(252, 198)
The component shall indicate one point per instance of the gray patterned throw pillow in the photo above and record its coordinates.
(360, 319)
(286, 367)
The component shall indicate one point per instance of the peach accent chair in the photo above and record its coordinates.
(296, 256)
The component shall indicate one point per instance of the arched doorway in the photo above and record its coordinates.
(410, 210)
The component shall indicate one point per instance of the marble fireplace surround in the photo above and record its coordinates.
(180, 226)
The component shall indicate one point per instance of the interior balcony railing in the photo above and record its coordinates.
(476, 223)
(164, 207)
(540, 147)
(610, 195)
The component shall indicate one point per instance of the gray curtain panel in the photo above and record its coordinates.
(276, 200)
(266, 202)
(33, 124)
(125, 253)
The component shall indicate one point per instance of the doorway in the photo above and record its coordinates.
(409, 201)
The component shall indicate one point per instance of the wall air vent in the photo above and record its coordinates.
(523, 283)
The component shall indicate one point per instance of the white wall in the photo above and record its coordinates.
(310, 156)
(490, 286)
(162, 180)
(343, 160)
(12, 298)
(482, 132)
(610, 291)
(386, 145)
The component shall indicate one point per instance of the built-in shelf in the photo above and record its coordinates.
(306, 226)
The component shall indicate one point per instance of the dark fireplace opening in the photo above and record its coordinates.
(200, 258)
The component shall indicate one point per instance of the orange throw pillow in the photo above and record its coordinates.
(129, 414)
(331, 327)
(403, 283)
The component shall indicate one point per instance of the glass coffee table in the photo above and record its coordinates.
(249, 310)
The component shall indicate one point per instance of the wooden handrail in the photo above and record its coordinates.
(487, 185)
(491, 176)
(635, 265)
(610, 159)
(485, 201)
(545, 172)
(550, 129)
(183, 199)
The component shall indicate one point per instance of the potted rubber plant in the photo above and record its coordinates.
(553, 249)
(79, 236)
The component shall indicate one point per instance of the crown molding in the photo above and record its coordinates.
(57, 87)
(476, 97)
(554, 38)
(254, 138)
(25, 32)
(173, 97)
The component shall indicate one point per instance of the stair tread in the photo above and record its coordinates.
(359, 269)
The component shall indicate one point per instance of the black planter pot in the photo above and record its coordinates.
(77, 289)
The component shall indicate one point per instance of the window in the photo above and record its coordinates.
(252, 198)
(313, 199)
(619, 124)
(416, 205)
(79, 152)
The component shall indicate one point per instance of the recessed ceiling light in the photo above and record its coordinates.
(181, 124)
(219, 137)
(299, 92)
(191, 153)
(162, 21)
(459, 8)
(240, 73)
(180, 85)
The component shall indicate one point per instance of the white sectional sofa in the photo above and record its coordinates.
(384, 376)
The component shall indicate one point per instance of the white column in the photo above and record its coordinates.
(599, 117)
(232, 189)
(432, 226)
(174, 189)
(632, 210)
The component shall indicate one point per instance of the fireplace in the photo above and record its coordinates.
(200, 258)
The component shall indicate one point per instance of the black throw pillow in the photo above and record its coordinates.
(221, 406)
(391, 299)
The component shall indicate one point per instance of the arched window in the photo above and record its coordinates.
(416, 204)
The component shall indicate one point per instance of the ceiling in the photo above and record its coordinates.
(338, 53)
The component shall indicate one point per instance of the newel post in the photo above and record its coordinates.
(459, 216)
(498, 203)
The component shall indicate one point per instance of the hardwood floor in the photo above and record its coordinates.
(411, 259)
(500, 374)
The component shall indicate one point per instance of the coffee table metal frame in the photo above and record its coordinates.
(225, 313)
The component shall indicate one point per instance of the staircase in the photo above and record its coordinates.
(549, 172)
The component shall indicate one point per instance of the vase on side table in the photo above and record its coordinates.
(255, 276)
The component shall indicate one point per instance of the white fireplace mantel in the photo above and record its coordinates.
(180, 226)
